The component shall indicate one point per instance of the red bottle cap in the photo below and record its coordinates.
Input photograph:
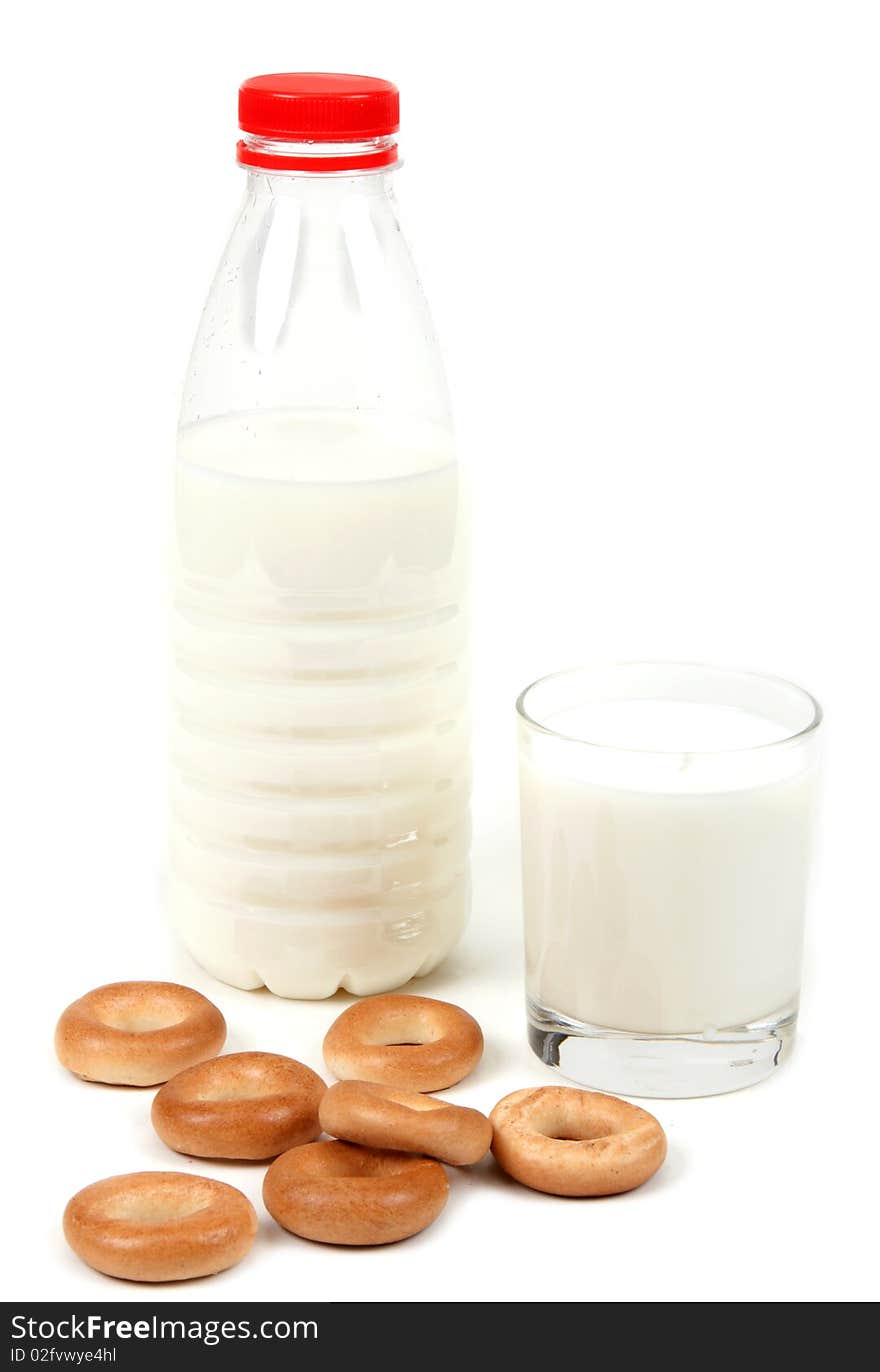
(323, 110)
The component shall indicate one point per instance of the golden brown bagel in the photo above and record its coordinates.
(337, 1193)
(575, 1143)
(241, 1105)
(138, 1033)
(159, 1226)
(412, 1042)
(377, 1116)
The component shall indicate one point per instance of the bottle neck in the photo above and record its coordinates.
(286, 158)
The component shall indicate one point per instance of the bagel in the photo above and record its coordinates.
(338, 1193)
(410, 1042)
(159, 1226)
(575, 1143)
(377, 1116)
(138, 1033)
(241, 1105)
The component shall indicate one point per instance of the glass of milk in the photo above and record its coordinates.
(667, 812)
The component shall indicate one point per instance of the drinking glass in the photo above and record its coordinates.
(667, 817)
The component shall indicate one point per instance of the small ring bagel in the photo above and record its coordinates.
(160, 1226)
(410, 1042)
(377, 1116)
(241, 1105)
(138, 1033)
(575, 1143)
(338, 1193)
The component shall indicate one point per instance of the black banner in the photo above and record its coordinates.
(194, 1334)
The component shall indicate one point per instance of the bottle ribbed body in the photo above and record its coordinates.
(320, 755)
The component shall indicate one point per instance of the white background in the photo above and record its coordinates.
(650, 234)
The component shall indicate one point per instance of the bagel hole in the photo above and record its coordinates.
(244, 1076)
(563, 1129)
(139, 1021)
(404, 1036)
(575, 1135)
(359, 1164)
(156, 1209)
